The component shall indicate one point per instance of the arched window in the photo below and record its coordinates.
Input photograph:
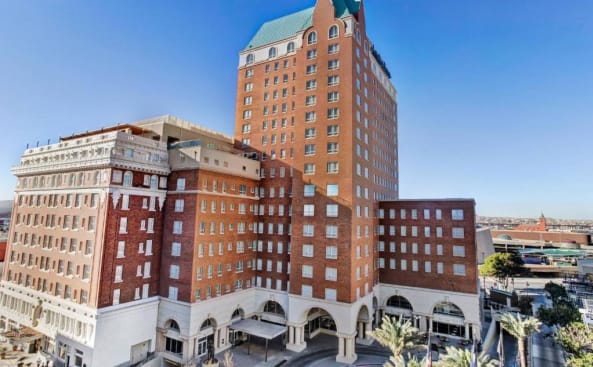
(272, 52)
(290, 47)
(249, 59)
(312, 38)
(333, 31)
(173, 325)
(128, 178)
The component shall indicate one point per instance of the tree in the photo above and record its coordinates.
(562, 313)
(461, 357)
(556, 291)
(396, 335)
(575, 339)
(520, 327)
(585, 360)
(502, 266)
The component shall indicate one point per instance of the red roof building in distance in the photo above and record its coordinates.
(540, 226)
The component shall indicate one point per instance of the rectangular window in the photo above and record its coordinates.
(311, 84)
(308, 210)
(458, 251)
(121, 249)
(440, 268)
(176, 249)
(307, 291)
(309, 149)
(427, 249)
(439, 231)
(123, 225)
(309, 168)
(332, 148)
(174, 272)
(331, 274)
(332, 167)
(331, 252)
(332, 190)
(333, 113)
(440, 250)
(333, 96)
(457, 232)
(404, 264)
(173, 292)
(458, 269)
(427, 267)
(427, 231)
(457, 214)
(332, 210)
(333, 80)
(333, 64)
(177, 227)
(179, 204)
(119, 269)
(307, 250)
(426, 214)
(438, 214)
(333, 130)
(331, 231)
(307, 271)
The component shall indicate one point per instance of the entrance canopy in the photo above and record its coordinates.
(258, 328)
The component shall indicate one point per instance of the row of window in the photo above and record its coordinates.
(44, 285)
(137, 295)
(331, 168)
(456, 232)
(48, 242)
(209, 292)
(174, 269)
(458, 269)
(141, 271)
(215, 185)
(60, 180)
(55, 200)
(60, 267)
(458, 250)
(456, 214)
(127, 179)
(210, 248)
(290, 47)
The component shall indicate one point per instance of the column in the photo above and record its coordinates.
(361, 330)
(296, 338)
(346, 352)
(467, 330)
(367, 330)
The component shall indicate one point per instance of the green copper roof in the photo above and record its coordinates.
(282, 28)
(288, 25)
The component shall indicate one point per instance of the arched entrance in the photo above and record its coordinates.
(363, 325)
(273, 313)
(399, 307)
(173, 340)
(236, 336)
(205, 337)
(448, 319)
(319, 322)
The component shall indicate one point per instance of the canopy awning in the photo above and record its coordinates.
(258, 328)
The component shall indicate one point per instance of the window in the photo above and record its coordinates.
(414, 265)
(333, 48)
(457, 214)
(426, 214)
(439, 231)
(309, 210)
(247, 114)
(272, 52)
(174, 272)
(333, 80)
(310, 116)
(458, 250)
(307, 271)
(457, 232)
(180, 184)
(176, 249)
(333, 130)
(440, 268)
(331, 252)
(312, 38)
(440, 250)
(290, 47)
(331, 231)
(177, 227)
(332, 190)
(330, 294)
(332, 167)
(426, 231)
(333, 113)
(311, 54)
(179, 204)
(249, 59)
(310, 101)
(121, 248)
(311, 84)
(333, 96)
(308, 230)
(438, 214)
(333, 31)
(128, 178)
(403, 247)
(427, 248)
(173, 292)
(119, 269)
(404, 264)
(309, 190)
(123, 225)
(311, 69)
(248, 87)
(307, 250)
(307, 291)
(458, 269)
(331, 274)
(116, 293)
(333, 64)
(332, 210)
(427, 267)
(309, 168)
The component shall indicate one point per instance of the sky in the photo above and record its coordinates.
(495, 98)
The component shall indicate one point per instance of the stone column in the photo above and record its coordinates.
(367, 329)
(467, 330)
(297, 344)
(346, 352)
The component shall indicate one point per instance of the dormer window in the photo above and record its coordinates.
(290, 47)
(333, 31)
(250, 58)
(312, 38)
(272, 52)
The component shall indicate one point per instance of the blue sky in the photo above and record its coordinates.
(495, 97)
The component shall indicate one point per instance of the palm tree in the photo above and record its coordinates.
(520, 327)
(396, 335)
(460, 357)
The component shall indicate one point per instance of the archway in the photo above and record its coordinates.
(173, 340)
(399, 307)
(363, 325)
(273, 313)
(319, 321)
(448, 319)
(205, 337)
